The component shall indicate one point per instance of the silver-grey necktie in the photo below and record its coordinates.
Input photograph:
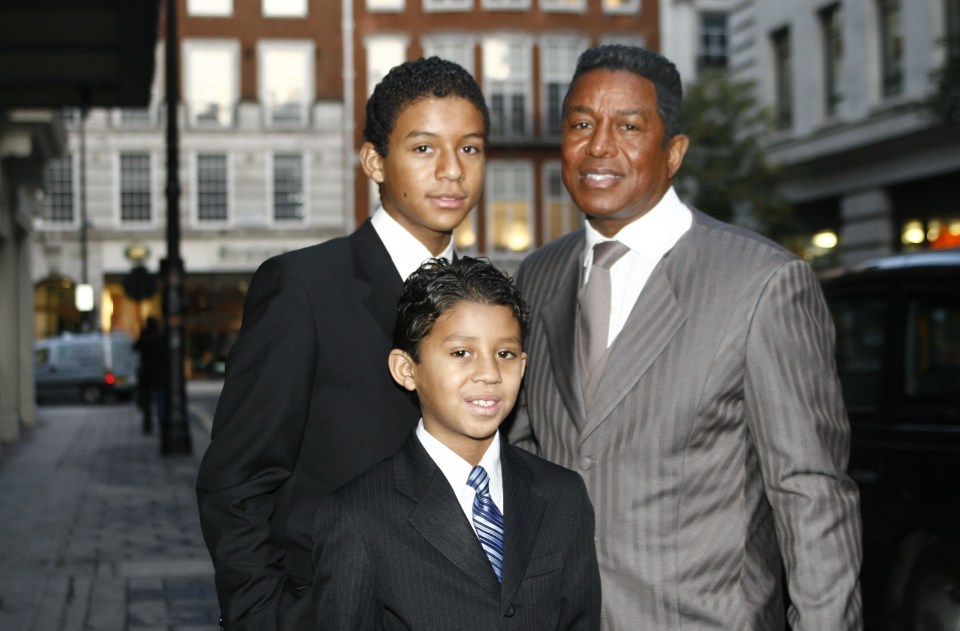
(594, 299)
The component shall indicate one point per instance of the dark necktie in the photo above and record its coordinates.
(487, 519)
(594, 299)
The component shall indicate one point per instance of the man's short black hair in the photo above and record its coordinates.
(645, 63)
(438, 286)
(408, 83)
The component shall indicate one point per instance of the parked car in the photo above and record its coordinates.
(91, 366)
(898, 355)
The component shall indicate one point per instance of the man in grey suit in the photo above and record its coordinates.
(705, 414)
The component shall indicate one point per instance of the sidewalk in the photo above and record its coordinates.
(98, 531)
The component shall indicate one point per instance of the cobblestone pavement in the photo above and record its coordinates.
(98, 531)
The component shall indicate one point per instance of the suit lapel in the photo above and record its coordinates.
(523, 513)
(437, 515)
(654, 321)
(379, 282)
(559, 316)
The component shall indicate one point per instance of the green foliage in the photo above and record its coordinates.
(725, 173)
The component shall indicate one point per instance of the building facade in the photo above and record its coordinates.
(270, 116)
(845, 81)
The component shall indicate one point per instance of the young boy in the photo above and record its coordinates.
(308, 402)
(458, 530)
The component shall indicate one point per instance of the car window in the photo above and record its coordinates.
(932, 351)
(860, 322)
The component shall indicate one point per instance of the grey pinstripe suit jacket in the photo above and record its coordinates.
(715, 453)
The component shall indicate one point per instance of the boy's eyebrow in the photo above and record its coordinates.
(470, 338)
(416, 133)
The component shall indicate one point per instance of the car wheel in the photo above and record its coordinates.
(91, 394)
(932, 597)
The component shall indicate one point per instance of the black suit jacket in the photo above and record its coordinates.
(394, 550)
(308, 403)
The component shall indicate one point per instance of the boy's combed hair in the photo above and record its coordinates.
(411, 81)
(438, 286)
(644, 63)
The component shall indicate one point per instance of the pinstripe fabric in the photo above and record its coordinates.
(716, 432)
(394, 550)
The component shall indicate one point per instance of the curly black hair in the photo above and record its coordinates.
(438, 286)
(645, 63)
(408, 83)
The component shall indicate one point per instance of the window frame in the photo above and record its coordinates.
(150, 190)
(198, 221)
(232, 47)
(512, 167)
(308, 50)
(272, 189)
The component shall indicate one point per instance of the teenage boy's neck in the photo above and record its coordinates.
(437, 245)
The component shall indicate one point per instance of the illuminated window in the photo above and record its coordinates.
(135, 190)
(288, 194)
(286, 81)
(383, 53)
(558, 60)
(561, 215)
(507, 79)
(509, 205)
(564, 6)
(505, 5)
(284, 8)
(211, 82)
(394, 6)
(210, 8)
(60, 199)
(436, 6)
(212, 198)
(621, 6)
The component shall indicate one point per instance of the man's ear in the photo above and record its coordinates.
(677, 148)
(403, 369)
(372, 162)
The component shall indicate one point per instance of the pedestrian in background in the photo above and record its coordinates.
(150, 377)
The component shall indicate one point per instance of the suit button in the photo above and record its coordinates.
(510, 611)
(586, 463)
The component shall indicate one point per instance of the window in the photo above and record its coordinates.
(783, 80)
(135, 197)
(211, 81)
(135, 117)
(509, 205)
(212, 187)
(561, 215)
(621, 6)
(210, 8)
(564, 6)
(456, 48)
(860, 320)
(505, 5)
(507, 77)
(436, 6)
(284, 8)
(932, 352)
(623, 38)
(60, 198)
(288, 195)
(891, 47)
(385, 5)
(713, 41)
(558, 60)
(832, 33)
(286, 81)
(383, 53)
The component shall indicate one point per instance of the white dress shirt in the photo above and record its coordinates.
(457, 470)
(406, 252)
(649, 238)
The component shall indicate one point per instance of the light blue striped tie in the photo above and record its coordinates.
(487, 519)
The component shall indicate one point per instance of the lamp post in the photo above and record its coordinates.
(174, 431)
(83, 297)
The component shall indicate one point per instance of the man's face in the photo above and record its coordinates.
(433, 172)
(615, 164)
(468, 377)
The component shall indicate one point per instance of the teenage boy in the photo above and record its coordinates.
(458, 530)
(308, 403)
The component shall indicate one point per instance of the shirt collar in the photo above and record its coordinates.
(652, 235)
(456, 469)
(406, 252)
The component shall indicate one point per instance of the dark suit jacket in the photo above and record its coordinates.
(394, 550)
(308, 404)
(715, 452)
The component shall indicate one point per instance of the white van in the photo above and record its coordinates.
(93, 366)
